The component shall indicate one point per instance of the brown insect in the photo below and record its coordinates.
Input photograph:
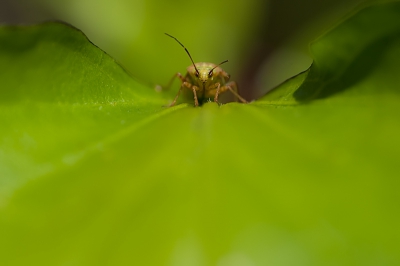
(205, 80)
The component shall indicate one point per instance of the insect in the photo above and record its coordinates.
(205, 80)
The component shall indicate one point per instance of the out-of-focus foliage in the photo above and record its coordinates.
(133, 31)
(94, 171)
(273, 34)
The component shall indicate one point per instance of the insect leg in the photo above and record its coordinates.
(232, 86)
(183, 85)
(196, 102)
(217, 92)
(179, 75)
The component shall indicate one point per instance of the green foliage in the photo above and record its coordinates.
(132, 31)
(94, 171)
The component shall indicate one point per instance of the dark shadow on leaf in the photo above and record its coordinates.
(320, 84)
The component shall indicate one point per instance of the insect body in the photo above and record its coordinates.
(205, 80)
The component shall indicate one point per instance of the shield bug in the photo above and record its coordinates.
(205, 80)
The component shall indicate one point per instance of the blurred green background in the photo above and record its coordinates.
(266, 42)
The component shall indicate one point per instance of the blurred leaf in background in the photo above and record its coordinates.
(265, 41)
(133, 31)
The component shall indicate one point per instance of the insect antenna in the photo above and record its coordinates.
(197, 71)
(209, 73)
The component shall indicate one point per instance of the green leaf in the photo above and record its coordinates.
(94, 171)
(60, 96)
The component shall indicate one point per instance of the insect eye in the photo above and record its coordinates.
(210, 73)
(197, 74)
